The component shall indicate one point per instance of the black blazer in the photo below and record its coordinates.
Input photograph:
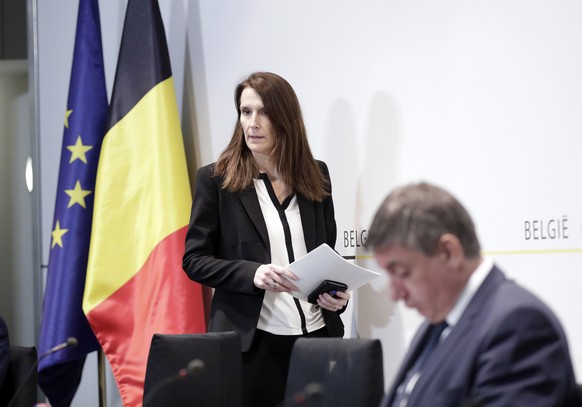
(227, 241)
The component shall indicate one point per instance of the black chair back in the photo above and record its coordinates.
(194, 370)
(335, 372)
(22, 377)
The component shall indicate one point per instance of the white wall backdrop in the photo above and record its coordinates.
(481, 97)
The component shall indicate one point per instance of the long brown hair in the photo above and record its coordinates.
(291, 152)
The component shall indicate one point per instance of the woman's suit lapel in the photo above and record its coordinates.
(251, 204)
(307, 222)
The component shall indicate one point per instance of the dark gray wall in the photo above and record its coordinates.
(17, 292)
(13, 38)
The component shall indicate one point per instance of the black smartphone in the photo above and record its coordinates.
(326, 286)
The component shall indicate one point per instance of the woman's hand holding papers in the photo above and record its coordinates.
(275, 278)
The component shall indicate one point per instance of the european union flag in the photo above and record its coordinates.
(63, 317)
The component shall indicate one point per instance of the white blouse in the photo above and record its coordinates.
(280, 314)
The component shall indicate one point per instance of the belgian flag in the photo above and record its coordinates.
(135, 285)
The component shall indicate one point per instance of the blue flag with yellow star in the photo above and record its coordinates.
(59, 372)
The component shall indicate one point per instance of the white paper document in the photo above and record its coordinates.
(323, 263)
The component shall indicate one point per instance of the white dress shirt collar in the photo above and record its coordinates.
(470, 289)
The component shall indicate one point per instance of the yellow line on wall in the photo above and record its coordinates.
(538, 251)
(495, 253)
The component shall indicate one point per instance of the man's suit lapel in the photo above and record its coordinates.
(251, 204)
(408, 360)
(474, 310)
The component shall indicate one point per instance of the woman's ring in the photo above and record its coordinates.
(273, 284)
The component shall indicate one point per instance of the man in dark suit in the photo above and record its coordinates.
(498, 344)
(4, 350)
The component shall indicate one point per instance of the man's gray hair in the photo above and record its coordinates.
(415, 216)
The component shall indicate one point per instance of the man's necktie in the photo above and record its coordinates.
(405, 388)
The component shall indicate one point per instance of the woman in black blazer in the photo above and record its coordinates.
(263, 204)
